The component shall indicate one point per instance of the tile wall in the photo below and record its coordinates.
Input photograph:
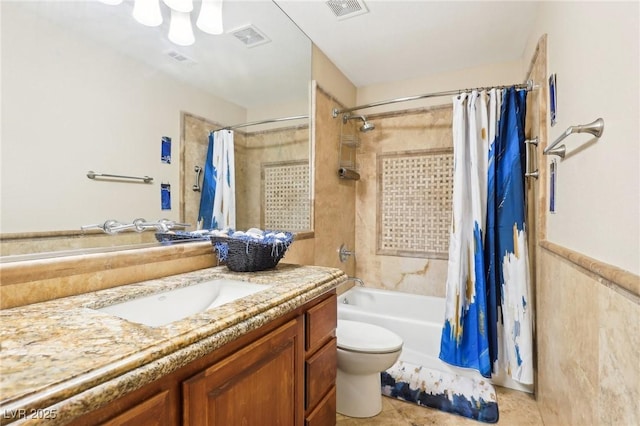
(404, 132)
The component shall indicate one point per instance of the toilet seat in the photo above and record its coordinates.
(361, 337)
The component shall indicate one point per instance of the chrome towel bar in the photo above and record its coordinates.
(92, 175)
(595, 128)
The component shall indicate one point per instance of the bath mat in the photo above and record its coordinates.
(468, 397)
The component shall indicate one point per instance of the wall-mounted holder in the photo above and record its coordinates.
(196, 186)
(534, 174)
(345, 173)
(595, 128)
(344, 253)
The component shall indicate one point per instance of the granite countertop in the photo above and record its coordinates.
(63, 358)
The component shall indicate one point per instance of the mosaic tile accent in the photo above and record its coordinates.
(415, 190)
(285, 196)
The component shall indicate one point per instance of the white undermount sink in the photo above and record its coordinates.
(169, 306)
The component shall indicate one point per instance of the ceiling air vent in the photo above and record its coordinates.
(344, 9)
(250, 36)
(179, 57)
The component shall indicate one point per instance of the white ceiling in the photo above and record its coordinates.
(398, 40)
(274, 72)
(395, 40)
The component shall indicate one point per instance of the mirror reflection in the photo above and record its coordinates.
(85, 87)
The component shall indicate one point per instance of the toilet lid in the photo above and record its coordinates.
(362, 337)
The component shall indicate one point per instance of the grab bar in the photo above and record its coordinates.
(527, 173)
(92, 175)
(595, 128)
(196, 186)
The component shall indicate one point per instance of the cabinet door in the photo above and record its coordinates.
(153, 411)
(259, 385)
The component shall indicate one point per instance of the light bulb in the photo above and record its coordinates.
(180, 5)
(210, 18)
(147, 12)
(180, 31)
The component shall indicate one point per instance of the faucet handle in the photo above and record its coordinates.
(344, 254)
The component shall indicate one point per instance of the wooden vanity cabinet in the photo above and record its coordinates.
(257, 385)
(280, 374)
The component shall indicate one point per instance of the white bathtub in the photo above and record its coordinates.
(416, 319)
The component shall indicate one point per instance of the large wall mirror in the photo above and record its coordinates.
(85, 87)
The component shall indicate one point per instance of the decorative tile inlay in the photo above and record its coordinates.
(285, 196)
(415, 191)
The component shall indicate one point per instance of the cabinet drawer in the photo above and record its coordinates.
(325, 413)
(320, 372)
(321, 322)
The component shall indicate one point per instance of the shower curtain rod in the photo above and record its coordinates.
(272, 120)
(529, 85)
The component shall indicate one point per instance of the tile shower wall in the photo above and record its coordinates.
(334, 198)
(253, 152)
(275, 171)
(419, 138)
(195, 138)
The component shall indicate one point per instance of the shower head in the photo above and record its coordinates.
(366, 126)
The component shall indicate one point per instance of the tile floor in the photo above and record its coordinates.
(515, 408)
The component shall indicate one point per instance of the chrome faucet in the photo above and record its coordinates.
(357, 280)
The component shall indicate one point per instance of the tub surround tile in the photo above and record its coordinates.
(334, 202)
(63, 354)
(407, 131)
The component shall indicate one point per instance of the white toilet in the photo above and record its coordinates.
(364, 350)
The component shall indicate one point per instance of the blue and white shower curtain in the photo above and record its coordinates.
(218, 199)
(488, 319)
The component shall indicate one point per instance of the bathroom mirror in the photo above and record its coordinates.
(85, 87)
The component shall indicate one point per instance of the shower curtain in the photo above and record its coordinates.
(488, 320)
(218, 199)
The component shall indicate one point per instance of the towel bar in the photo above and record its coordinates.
(595, 128)
(92, 175)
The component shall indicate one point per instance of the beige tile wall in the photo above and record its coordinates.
(269, 146)
(334, 221)
(252, 149)
(409, 130)
(587, 346)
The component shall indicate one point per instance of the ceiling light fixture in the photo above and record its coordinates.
(180, 31)
(148, 13)
(185, 6)
(210, 18)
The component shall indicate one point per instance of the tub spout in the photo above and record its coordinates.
(357, 280)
